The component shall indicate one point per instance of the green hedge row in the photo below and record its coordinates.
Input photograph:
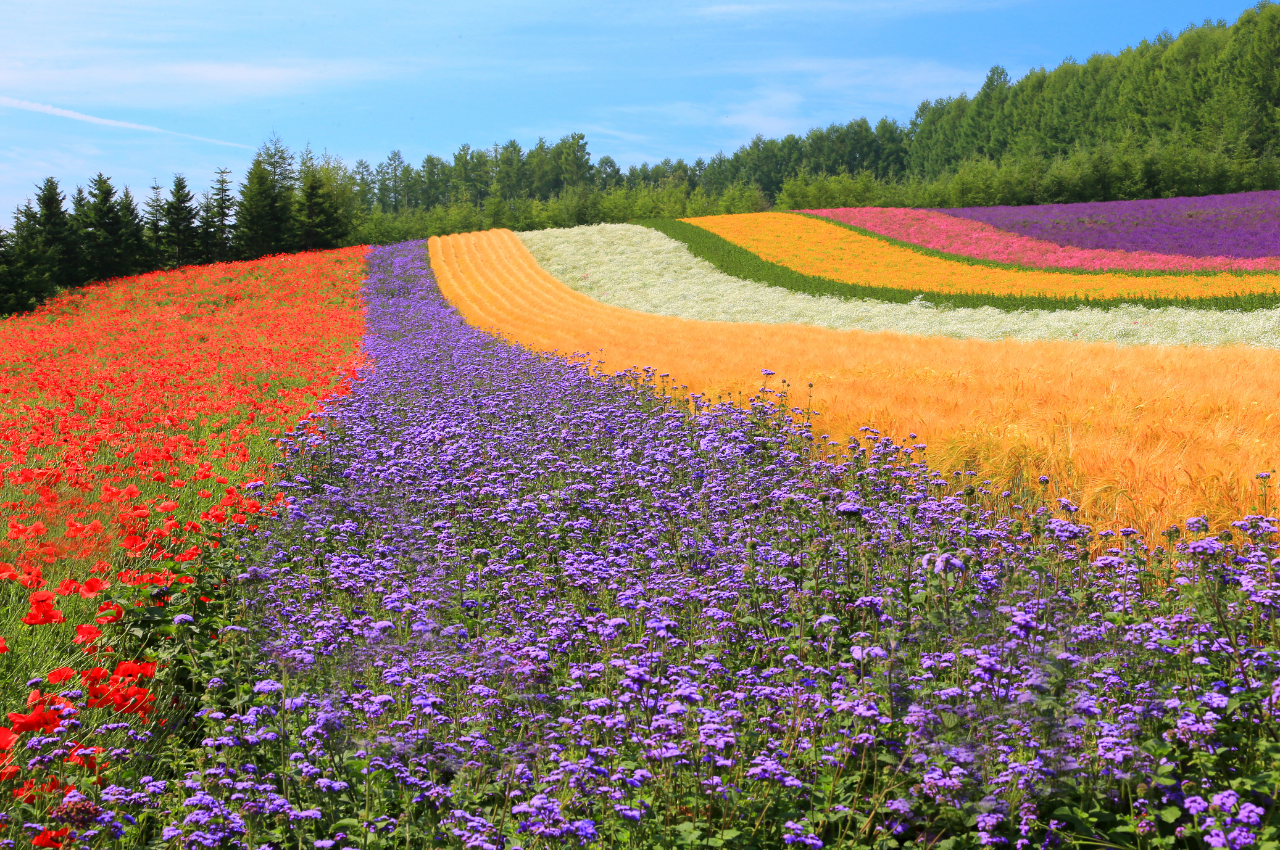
(739, 262)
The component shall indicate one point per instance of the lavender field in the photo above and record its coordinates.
(1243, 225)
(515, 603)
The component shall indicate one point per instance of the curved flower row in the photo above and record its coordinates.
(970, 233)
(137, 419)
(1141, 434)
(513, 602)
(1243, 225)
(640, 269)
(815, 247)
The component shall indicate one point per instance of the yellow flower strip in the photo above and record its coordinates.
(1142, 436)
(815, 247)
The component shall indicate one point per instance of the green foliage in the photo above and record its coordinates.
(217, 213)
(180, 232)
(739, 262)
(1107, 172)
(264, 214)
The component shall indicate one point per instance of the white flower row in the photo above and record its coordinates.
(641, 269)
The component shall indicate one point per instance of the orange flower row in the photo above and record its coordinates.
(814, 247)
(1138, 436)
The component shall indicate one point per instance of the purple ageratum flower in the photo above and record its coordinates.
(1245, 225)
(267, 686)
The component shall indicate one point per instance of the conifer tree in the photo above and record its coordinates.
(101, 231)
(10, 295)
(216, 218)
(265, 211)
(320, 224)
(134, 256)
(179, 235)
(46, 256)
(153, 224)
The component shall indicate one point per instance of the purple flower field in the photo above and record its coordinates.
(513, 603)
(1244, 225)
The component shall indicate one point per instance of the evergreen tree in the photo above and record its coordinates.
(217, 211)
(49, 255)
(265, 214)
(180, 234)
(319, 219)
(101, 233)
(134, 254)
(153, 224)
(10, 295)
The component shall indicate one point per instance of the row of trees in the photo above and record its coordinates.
(1171, 111)
(279, 208)
(1193, 115)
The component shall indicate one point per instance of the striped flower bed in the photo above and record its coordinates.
(967, 234)
(641, 269)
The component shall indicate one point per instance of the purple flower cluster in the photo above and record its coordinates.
(1244, 225)
(512, 602)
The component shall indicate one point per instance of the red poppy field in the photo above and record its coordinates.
(137, 419)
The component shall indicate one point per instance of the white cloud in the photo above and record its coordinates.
(127, 80)
(28, 106)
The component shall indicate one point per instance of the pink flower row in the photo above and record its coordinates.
(942, 232)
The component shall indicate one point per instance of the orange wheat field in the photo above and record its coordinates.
(1139, 436)
(815, 247)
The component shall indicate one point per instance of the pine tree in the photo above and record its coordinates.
(320, 224)
(179, 235)
(9, 291)
(153, 224)
(216, 214)
(134, 253)
(101, 231)
(265, 214)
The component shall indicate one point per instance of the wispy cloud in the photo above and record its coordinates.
(14, 103)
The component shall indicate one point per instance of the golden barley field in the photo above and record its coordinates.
(1141, 436)
(815, 247)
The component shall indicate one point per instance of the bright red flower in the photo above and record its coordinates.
(31, 578)
(60, 675)
(86, 634)
(3, 646)
(93, 587)
(116, 613)
(7, 738)
(51, 838)
(41, 719)
(67, 587)
(42, 610)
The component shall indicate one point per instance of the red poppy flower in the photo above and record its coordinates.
(41, 719)
(67, 587)
(31, 578)
(42, 610)
(86, 634)
(3, 646)
(116, 613)
(51, 838)
(93, 587)
(60, 675)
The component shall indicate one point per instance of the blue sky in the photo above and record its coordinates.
(141, 89)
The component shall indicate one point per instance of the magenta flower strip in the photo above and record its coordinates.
(958, 232)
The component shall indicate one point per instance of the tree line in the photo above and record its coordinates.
(285, 204)
(1192, 115)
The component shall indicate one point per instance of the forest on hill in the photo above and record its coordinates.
(1195, 114)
